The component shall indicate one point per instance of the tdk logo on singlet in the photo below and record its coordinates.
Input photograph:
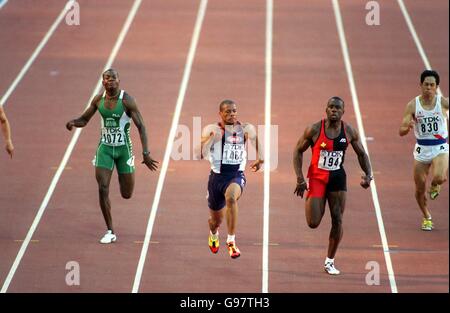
(429, 119)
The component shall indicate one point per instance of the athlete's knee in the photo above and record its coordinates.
(215, 221)
(313, 223)
(439, 179)
(336, 220)
(231, 200)
(126, 194)
(103, 189)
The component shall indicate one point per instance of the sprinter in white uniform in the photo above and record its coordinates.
(427, 115)
(224, 144)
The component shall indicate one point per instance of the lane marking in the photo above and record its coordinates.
(416, 39)
(22, 240)
(169, 145)
(68, 152)
(373, 188)
(36, 52)
(267, 123)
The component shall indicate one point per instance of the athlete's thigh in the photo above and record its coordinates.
(440, 164)
(233, 191)
(336, 202)
(315, 207)
(124, 160)
(421, 171)
(126, 182)
(103, 176)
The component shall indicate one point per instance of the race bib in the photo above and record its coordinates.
(330, 160)
(233, 153)
(428, 125)
(113, 136)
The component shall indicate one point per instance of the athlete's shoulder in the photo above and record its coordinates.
(96, 100)
(444, 102)
(350, 131)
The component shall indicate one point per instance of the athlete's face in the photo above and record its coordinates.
(334, 110)
(429, 86)
(229, 114)
(111, 80)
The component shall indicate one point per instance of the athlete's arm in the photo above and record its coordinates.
(86, 116)
(210, 134)
(6, 131)
(444, 105)
(250, 132)
(305, 141)
(408, 119)
(133, 111)
(363, 158)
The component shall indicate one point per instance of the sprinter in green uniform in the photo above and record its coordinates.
(116, 108)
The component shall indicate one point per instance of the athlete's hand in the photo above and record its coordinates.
(300, 188)
(70, 125)
(255, 166)
(151, 164)
(365, 183)
(9, 148)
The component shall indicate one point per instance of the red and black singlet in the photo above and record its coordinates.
(328, 155)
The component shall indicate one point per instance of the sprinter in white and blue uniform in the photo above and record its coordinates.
(427, 115)
(224, 144)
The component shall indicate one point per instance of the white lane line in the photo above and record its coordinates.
(68, 152)
(348, 68)
(267, 122)
(416, 39)
(36, 52)
(2, 3)
(170, 140)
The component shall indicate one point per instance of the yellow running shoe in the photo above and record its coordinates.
(233, 250)
(214, 243)
(434, 191)
(427, 224)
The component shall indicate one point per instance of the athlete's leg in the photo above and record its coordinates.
(103, 177)
(215, 219)
(314, 211)
(420, 178)
(232, 194)
(440, 167)
(126, 182)
(336, 202)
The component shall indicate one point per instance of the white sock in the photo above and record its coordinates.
(230, 238)
(327, 260)
(214, 235)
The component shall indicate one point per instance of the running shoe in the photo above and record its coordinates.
(330, 269)
(434, 191)
(233, 250)
(427, 224)
(214, 243)
(109, 237)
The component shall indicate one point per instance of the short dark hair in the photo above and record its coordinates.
(428, 73)
(110, 70)
(225, 102)
(336, 98)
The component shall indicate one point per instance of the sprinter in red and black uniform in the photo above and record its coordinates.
(328, 140)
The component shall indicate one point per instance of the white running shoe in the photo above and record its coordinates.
(330, 269)
(109, 237)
